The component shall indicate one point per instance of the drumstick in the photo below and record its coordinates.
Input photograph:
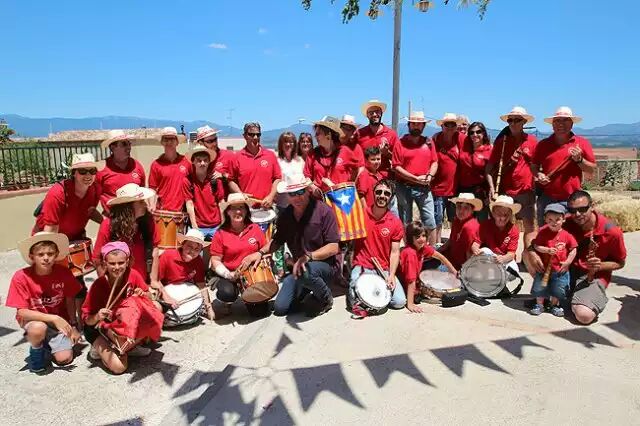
(115, 284)
(192, 297)
(118, 296)
(254, 200)
(378, 267)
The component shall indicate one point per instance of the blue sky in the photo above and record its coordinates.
(275, 62)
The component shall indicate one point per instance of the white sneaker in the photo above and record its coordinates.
(93, 354)
(139, 351)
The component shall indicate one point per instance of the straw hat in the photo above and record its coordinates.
(518, 111)
(131, 192)
(194, 235)
(447, 118)
(171, 132)
(196, 150)
(349, 120)
(83, 161)
(205, 132)
(373, 103)
(505, 201)
(60, 240)
(417, 117)
(116, 135)
(235, 198)
(465, 197)
(331, 123)
(563, 112)
(292, 183)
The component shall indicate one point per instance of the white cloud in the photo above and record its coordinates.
(218, 46)
(307, 46)
(262, 30)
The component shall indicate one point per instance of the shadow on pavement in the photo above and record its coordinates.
(628, 318)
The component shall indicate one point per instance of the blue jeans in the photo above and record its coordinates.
(442, 205)
(558, 286)
(543, 201)
(317, 278)
(398, 298)
(407, 195)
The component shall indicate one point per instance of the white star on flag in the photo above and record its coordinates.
(344, 199)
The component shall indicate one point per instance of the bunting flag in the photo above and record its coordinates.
(349, 211)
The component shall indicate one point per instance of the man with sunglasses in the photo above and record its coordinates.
(167, 173)
(601, 250)
(119, 169)
(384, 233)
(254, 170)
(560, 161)
(512, 156)
(376, 133)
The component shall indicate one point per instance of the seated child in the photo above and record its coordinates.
(183, 265)
(411, 258)
(464, 230)
(558, 249)
(43, 293)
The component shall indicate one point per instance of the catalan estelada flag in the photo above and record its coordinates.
(344, 201)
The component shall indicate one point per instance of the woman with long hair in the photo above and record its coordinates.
(305, 145)
(290, 162)
(474, 155)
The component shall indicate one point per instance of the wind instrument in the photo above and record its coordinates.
(499, 176)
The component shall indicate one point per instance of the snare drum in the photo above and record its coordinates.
(372, 293)
(434, 284)
(346, 204)
(190, 301)
(78, 261)
(169, 225)
(258, 285)
(483, 276)
(265, 219)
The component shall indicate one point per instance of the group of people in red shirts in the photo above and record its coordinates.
(481, 187)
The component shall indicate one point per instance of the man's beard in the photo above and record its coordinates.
(375, 121)
(415, 132)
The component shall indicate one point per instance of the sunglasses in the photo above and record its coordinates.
(383, 192)
(582, 210)
(210, 140)
(450, 124)
(515, 120)
(298, 193)
(475, 132)
(87, 171)
(123, 144)
(254, 135)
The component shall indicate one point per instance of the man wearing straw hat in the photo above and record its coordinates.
(119, 169)
(560, 161)
(376, 133)
(415, 163)
(511, 160)
(220, 158)
(168, 171)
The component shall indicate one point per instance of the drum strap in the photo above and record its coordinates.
(509, 293)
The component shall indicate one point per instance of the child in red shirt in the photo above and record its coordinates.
(558, 248)
(43, 294)
(371, 175)
(411, 258)
(183, 265)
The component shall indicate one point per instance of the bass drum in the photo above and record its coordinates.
(483, 276)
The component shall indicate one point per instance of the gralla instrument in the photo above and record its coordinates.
(169, 225)
(343, 199)
(79, 258)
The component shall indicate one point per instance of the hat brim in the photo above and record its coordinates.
(575, 119)
(515, 207)
(60, 240)
(86, 165)
(367, 106)
(182, 238)
(331, 126)
(181, 138)
(441, 122)
(424, 120)
(283, 188)
(224, 205)
(206, 135)
(346, 123)
(528, 117)
(476, 203)
(105, 143)
(146, 194)
(191, 153)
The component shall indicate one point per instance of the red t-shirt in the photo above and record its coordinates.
(499, 241)
(232, 247)
(380, 234)
(562, 240)
(414, 158)
(223, 161)
(411, 263)
(42, 293)
(110, 178)
(365, 137)
(356, 152)
(62, 207)
(365, 183)
(472, 164)
(166, 178)
(205, 200)
(445, 182)
(610, 240)
(136, 246)
(550, 155)
(339, 168)
(516, 164)
(173, 270)
(98, 294)
(463, 235)
(255, 174)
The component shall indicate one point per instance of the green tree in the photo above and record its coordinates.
(5, 133)
(352, 7)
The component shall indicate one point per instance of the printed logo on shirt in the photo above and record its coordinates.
(385, 232)
(383, 142)
(560, 246)
(57, 286)
(183, 169)
(506, 240)
(264, 163)
(525, 150)
(253, 241)
(135, 176)
(46, 302)
(219, 164)
(339, 161)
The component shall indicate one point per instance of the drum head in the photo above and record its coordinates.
(438, 280)
(482, 276)
(181, 292)
(262, 216)
(260, 292)
(372, 290)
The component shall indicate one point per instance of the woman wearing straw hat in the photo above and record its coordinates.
(464, 230)
(131, 222)
(474, 155)
(561, 160)
(120, 168)
(231, 249)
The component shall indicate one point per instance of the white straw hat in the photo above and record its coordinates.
(205, 131)
(519, 112)
(373, 103)
(349, 120)
(505, 201)
(196, 150)
(417, 117)
(60, 240)
(292, 183)
(194, 235)
(83, 161)
(131, 192)
(563, 112)
(171, 132)
(465, 197)
(116, 135)
(447, 118)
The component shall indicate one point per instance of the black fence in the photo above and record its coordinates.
(36, 164)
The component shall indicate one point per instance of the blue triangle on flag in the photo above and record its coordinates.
(344, 198)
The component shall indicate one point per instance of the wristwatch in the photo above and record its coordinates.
(309, 256)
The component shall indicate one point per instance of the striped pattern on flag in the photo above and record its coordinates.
(349, 211)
